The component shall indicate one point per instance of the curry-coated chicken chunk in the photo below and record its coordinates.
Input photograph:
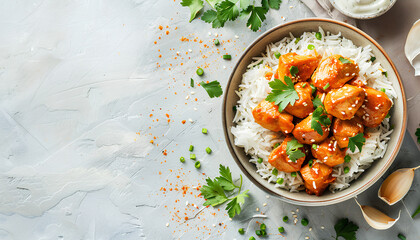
(375, 107)
(345, 129)
(329, 153)
(344, 102)
(306, 135)
(280, 160)
(305, 65)
(303, 106)
(268, 116)
(333, 72)
(316, 178)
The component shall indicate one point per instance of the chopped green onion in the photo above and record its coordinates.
(263, 233)
(258, 232)
(310, 163)
(192, 82)
(251, 238)
(227, 57)
(263, 226)
(304, 85)
(192, 156)
(234, 108)
(275, 171)
(318, 35)
(314, 146)
(326, 86)
(347, 158)
(277, 55)
(200, 72)
(385, 74)
(383, 90)
(293, 71)
(276, 145)
(313, 88)
(208, 150)
(197, 164)
(191, 148)
(216, 42)
(346, 169)
(311, 47)
(402, 237)
(281, 229)
(182, 159)
(304, 222)
(392, 126)
(388, 116)
(204, 130)
(293, 174)
(280, 181)
(241, 231)
(297, 40)
(260, 160)
(285, 219)
(372, 59)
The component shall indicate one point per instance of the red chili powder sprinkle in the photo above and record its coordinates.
(160, 27)
(183, 121)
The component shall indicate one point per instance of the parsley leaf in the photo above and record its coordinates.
(213, 88)
(211, 16)
(417, 210)
(282, 94)
(418, 135)
(343, 60)
(293, 151)
(293, 71)
(320, 117)
(213, 3)
(214, 192)
(356, 141)
(346, 229)
(317, 102)
(194, 5)
(244, 3)
(274, 4)
(192, 82)
(227, 10)
(256, 18)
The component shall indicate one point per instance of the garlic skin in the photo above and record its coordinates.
(377, 219)
(396, 185)
(412, 47)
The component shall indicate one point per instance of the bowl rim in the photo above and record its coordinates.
(333, 200)
(363, 16)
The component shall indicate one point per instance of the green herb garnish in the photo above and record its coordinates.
(416, 212)
(282, 94)
(304, 222)
(344, 60)
(311, 47)
(208, 150)
(297, 40)
(402, 237)
(227, 57)
(326, 86)
(314, 146)
(310, 163)
(213, 88)
(260, 160)
(285, 219)
(356, 141)
(418, 135)
(346, 229)
(293, 174)
(191, 148)
(319, 117)
(192, 82)
(275, 171)
(385, 74)
(318, 35)
(293, 151)
(346, 169)
(280, 181)
(241, 231)
(215, 192)
(281, 229)
(194, 5)
(204, 130)
(192, 156)
(277, 55)
(216, 42)
(347, 158)
(293, 71)
(182, 159)
(197, 164)
(200, 72)
(372, 59)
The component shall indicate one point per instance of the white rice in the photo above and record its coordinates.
(258, 142)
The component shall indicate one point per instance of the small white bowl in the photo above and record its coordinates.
(363, 16)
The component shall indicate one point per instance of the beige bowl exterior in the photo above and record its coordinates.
(398, 112)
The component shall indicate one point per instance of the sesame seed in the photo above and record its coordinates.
(312, 140)
(353, 73)
(186, 203)
(353, 105)
(195, 109)
(356, 101)
(347, 74)
(343, 113)
(291, 7)
(189, 50)
(167, 224)
(264, 204)
(306, 237)
(267, 196)
(209, 33)
(322, 227)
(257, 209)
(224, 67)
(236, 36)
(350, 108)
(295, 221)
(189, 119)
(379, 95)
(346, 94)
(297, 209)
(214, 225)
(376, 108)
(295, 216)
(186, 98)
(292, 212)
(215, 34)
(310, 229)
(305, 104)
(230, 219)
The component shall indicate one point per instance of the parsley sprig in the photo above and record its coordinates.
(346, 229)
(212, 88)
(215, 192)
(357, 141)
(293, 151)
(230, 10)
(319, 117)
(282, 94)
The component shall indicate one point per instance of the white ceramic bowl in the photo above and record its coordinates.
(362, 16)
(398, 112)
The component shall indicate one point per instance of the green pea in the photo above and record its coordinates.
(208, 150)
(260, 160)
(200, 72)
(318, 35)
(197, 164)
(346, 169)
(285, 219)
(216, 42)
(311, 47)
(280, 181)
(281, 229)
(275, 171)
(263, 226)
(251, 238)
(304, 222)
(182, 159)
(241, 231)
(347, 158)
(293, 174)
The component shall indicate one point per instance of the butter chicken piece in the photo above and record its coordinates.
(375, 107)
(280, 160)
(306, 135)
(317, 178)
(345, 129)
(303, 106)
(268, 116)
(329, 153)
(306, 65)
(333, 73)
(344, 102)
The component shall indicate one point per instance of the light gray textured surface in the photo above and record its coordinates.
(79, 81)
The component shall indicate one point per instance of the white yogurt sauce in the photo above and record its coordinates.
(363, 6)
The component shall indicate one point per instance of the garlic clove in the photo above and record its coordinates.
(396, 185)
(376, 218)
(412, 47)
